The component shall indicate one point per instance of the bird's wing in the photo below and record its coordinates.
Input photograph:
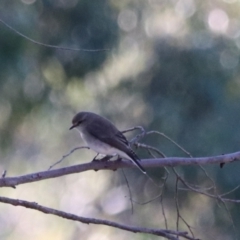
(122, 138)
(112, 136)
(115, 139)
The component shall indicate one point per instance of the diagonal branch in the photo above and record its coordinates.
(168, 234)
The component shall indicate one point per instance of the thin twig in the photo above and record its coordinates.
(137, 137)
(165, 178)
(179, 216)
(169, 139)
(145, 146)
(231, 191)
(48, 45)
(218, 197)
(163, 187)
(176, 202)
(230, 217)
(134, 128)
(129, 189)
(66, 155)
(152, 199)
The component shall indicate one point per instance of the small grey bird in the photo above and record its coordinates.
(103, 137)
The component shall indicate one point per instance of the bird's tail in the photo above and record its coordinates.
(135, 159)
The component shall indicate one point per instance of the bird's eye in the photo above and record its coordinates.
(79, 122)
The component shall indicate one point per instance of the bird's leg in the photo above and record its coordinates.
(95, 158)
(118, 159)
(105, 159)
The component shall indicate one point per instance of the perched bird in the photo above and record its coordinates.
(103, 137)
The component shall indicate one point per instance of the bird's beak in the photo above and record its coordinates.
(73, 126)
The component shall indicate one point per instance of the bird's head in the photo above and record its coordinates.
(79, 119)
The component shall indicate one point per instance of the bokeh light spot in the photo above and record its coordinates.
(218, 20)
(127, 20)
(229, 59)
(186, 8)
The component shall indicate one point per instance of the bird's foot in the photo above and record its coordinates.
(105, 159)
(95, 158)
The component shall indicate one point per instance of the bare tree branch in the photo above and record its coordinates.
(113, 165)
(168, 234)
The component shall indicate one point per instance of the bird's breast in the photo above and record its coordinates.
(99, 146)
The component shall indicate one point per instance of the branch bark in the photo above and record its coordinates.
(113, 165)
(169, 234)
